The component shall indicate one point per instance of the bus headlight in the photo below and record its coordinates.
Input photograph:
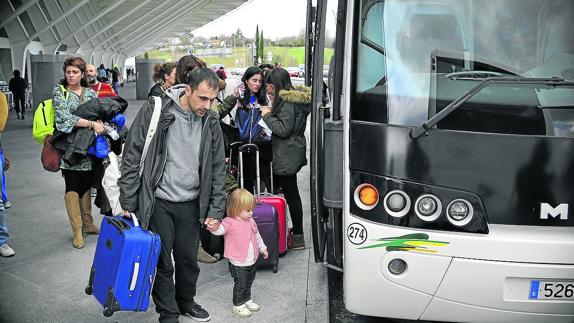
(428, 207)
(397, 203)
(459, 212)
(366, 196)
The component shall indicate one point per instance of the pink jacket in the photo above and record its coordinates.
(238, 235)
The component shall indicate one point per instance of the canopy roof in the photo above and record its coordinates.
(124, 27)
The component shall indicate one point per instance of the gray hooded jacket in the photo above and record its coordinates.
(138, 194)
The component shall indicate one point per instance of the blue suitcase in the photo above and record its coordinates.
(124, 265)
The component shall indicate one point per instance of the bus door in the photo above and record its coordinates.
(327, 131)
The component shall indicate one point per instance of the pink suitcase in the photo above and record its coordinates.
(267, 198)
(280, 205)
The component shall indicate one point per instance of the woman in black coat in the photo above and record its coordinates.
(164, 75)
(287, 119)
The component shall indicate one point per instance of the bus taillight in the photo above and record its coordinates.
(366, 196)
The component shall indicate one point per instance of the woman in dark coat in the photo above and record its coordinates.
(287, 119)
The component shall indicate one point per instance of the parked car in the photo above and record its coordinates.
(238, 71)
(293, 71)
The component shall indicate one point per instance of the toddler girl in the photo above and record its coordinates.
(243, 243)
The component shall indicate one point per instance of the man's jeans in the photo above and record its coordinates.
(243, 278)
(3, 227)
(4, 191)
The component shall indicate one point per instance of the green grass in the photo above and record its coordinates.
(290, 56)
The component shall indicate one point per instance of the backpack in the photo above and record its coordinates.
(112, 172)
(44, 119)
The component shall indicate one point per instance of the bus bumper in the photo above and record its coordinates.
(491, 291)
(441, 285)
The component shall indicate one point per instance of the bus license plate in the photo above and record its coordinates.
(545, 289)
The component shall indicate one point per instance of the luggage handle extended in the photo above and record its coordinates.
(231, 146)
(135, 219)
(241, 150)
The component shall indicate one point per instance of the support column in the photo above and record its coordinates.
(98, 57)
(46, 74)
(18, 54)
(50, 49)
(144, 76)
(107, 59)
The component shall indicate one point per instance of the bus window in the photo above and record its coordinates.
(330, 49)
(422, 55)
(370, 81)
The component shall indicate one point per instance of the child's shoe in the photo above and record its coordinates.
(242, 311)
(252, 306)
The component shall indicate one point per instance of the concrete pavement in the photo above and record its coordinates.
(45, 280)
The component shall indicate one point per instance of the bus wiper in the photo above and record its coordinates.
(423, 129)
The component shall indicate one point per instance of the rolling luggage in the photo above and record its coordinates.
(265, 215)
(280, 205)
(278, 202)
(124, 265)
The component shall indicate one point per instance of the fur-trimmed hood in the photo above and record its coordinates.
(300, 96)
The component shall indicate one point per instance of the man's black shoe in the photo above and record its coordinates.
(197, 313)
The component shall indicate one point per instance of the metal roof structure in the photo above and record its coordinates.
(103, 30)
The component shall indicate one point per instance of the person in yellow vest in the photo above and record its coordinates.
(5, 249)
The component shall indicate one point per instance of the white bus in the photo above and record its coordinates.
(442, 157)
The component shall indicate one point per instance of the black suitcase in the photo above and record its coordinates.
(213, 244)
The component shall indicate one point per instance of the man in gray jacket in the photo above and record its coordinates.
(181, 187)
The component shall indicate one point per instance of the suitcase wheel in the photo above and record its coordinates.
(88, 290)
(108, 312)
(274, 269)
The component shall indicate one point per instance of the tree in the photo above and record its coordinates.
(257, 43)
(261, 47)
(277, 59)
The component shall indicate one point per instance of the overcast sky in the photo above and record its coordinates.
(277, 18)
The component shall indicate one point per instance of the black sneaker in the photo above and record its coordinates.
(197, 313)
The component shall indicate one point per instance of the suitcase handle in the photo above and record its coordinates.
(135, 219)
(256, 148)
(231, 147)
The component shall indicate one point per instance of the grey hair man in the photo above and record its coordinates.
(181, 187)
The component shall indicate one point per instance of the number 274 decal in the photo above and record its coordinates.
(419, 242)
(356, 233)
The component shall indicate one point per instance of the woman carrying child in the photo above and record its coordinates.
(243, 244)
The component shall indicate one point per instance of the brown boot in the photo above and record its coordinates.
(203, 256)
(297, 242)
(88, 226)
(73, 207)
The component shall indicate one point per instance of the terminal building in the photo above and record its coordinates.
(36, 36)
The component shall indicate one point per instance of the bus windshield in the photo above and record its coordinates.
(415, 57)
